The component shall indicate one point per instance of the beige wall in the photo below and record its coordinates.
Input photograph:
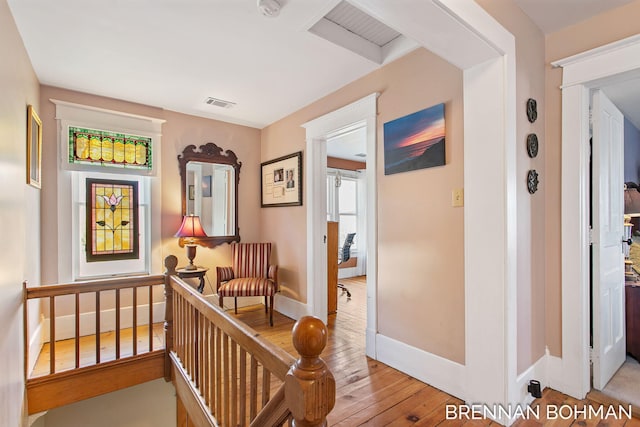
(420, 235)
(530, 208)
(181, 130)
(19, 213)
(149, 404)
(178, 131)
(602, 29)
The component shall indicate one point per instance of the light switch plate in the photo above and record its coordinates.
(457, 197)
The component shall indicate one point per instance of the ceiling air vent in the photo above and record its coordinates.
(360, 24)
(353, 29)
(219, 102)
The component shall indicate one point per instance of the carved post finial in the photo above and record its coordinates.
(310, 389)
(170, 263)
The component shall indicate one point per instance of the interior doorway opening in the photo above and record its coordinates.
(616, 370)
(347, 228)
(359, 116)
(613, 63)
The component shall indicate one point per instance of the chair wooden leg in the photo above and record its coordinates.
(220, 302)
(270, 310)
(266, 306)
(235, 303)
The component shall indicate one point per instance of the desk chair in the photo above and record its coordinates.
(343, 256)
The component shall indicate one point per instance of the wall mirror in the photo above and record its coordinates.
(210, 180)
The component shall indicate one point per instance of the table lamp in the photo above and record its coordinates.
(189, 229)
(631, 213)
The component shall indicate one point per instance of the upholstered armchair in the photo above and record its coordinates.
(250, 275)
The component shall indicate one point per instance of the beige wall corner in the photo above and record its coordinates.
(20, 211)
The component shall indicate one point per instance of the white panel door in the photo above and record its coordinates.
(608, 259)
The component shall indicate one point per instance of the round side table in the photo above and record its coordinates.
(199, 272)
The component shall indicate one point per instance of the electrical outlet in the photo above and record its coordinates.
(457, 197)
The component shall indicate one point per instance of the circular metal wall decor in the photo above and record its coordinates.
(532, 145)
(532, 110)
(532, 181)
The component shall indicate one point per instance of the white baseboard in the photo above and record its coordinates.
(290, 307)
(35, 345)
(537, 371)
(66, 325)
(345, 273)
(554, 373)
(434, 370)
(371, 344)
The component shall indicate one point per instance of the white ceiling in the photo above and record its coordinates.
(348, 145)
(626, 96)
(173, 54)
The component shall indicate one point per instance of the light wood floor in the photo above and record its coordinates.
(65, 356)
(368, 393)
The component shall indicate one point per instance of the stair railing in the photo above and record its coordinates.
(226, 374)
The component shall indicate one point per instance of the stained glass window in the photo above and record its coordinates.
(112, 220)
(111, 149)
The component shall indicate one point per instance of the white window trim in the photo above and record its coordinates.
(78, 180)
(360, 202)
(71, 114)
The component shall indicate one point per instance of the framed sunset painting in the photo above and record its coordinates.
(415, 141)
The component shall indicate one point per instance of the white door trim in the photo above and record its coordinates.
(580, 73)
(363, 110)
(490, 220)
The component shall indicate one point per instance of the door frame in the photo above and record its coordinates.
(581, 73)
(317, 131)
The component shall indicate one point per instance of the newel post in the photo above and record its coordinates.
(310, 389)
(170, 264)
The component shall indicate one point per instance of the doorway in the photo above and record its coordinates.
(346, 208)
(358, 115)
(597, 68)
(615, 142)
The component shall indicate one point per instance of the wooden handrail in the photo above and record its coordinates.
(75, 289)
(100, 372)
(276, 360)
(93, 286)
(225, 371)
(228, 373)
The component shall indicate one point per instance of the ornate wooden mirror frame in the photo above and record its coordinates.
(210, 153)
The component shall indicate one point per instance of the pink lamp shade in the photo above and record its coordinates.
(191, 227)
